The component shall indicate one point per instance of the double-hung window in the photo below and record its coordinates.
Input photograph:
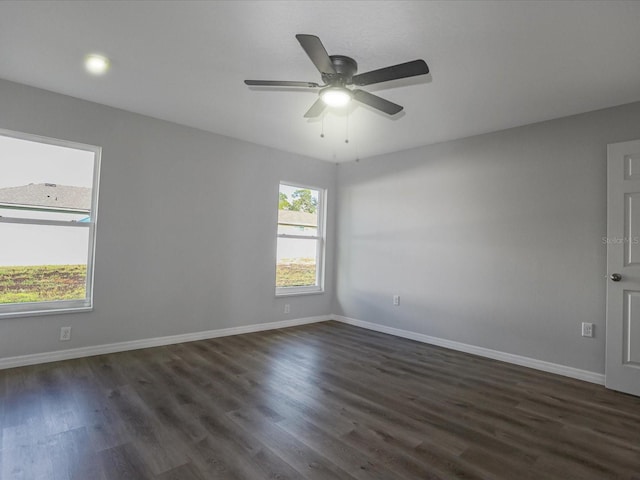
(48, 200)
(300, 242)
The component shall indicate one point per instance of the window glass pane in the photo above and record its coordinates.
(296, 262)
(299, 259)
(45, 177)
(297, 223)
(41, 263)
(298, 211)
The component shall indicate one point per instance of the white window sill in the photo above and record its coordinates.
(52, 311)
(295, 292)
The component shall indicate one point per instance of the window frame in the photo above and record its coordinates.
(320, 237)
(8, 310)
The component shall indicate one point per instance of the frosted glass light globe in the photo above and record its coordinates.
(336, 96)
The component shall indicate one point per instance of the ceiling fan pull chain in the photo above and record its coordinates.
(346, 140)
(322, 132)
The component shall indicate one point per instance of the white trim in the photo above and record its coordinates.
(53, 311)
(39, 221)
(60, 306)
(556, 368)
(42, 208)
(23, 360)
(299, 237)
(305, 290)
(320, 238)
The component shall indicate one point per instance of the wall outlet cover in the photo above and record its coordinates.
(65, 334)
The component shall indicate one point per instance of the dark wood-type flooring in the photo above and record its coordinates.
(321, 401)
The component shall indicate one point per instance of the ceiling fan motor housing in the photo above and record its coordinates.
(345, 67)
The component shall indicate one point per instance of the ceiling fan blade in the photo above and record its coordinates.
(280, 83)
(316, 109)
(317, 53)
(377, 102)
(402, 70)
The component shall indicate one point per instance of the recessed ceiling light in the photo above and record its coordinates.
(96, 64)
(336, 96)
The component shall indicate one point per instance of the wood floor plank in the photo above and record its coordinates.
(153, 441)
(349, 459)
(65, 449)
(310, 463)
(124, 463)
(24, 453)
(398, 461)
(183, 472)
(319, 401)
(220, 458)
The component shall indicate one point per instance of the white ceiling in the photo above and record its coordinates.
(494, 65)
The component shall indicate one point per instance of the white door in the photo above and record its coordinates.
(623, 267)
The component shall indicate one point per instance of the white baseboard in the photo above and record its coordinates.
(585, 375)
(23, 360)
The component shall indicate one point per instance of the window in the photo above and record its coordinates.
(48, 197)
(300, 250)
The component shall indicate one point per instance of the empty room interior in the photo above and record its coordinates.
(319, 239)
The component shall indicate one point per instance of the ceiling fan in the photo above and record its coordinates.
(338, 72)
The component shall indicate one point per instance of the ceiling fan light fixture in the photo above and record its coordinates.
(336, 96)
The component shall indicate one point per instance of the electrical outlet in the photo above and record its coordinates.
(396, 300)
(65, 334)
(287, 308)
(587, 329)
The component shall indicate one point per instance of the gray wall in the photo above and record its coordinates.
(186, 226)
(493, 241)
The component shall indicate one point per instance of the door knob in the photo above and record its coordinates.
(616, 277)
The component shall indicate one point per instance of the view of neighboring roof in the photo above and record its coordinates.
(292, 217)
(48, 195)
